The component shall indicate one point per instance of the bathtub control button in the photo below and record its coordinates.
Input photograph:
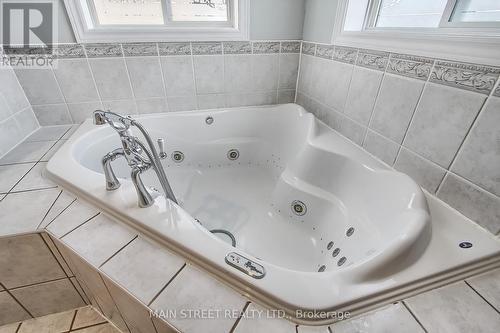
(177, 156)
(233, 154)
(341, 261)
(465, 245)
(245, 265)
(209, 120)
(299, 208)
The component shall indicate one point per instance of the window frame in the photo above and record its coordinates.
(457, 40)
(83, 18)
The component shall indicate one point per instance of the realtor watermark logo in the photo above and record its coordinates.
(28, 31)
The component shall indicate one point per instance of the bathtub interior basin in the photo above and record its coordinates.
(331, 227)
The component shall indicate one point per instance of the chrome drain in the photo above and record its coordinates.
(299, 208)
(233, 154)
(177, 156)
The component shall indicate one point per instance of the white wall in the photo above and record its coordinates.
(269, 19)
(319, 20)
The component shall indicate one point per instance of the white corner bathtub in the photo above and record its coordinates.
(357, 231)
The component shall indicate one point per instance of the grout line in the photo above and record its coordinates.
(18, 327)
(73, 320)
(16, 300)
(166, 285)
(54, 256)
(414, 316)
(484, 299)
(79, 226)
(119, 250)
(113, 300)
(163, 78)
(65, 208)
(65, 101)
(37, 283)
(90, 326)
(48, 211)
(124, 59)
(13, 186)
(298, 73)
(329, 329)
(245, 307)
(93, 81)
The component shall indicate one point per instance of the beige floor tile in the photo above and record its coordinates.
(488, 285)
(455, 308)
(313, 329)
(49, 297)
(104, 328)
(10, 310)
(76, 214)
(11, 174)
(27, 260)
(93, 242)
(393, 318)
(87, 316)
(10, 328)
(148, 268)
(35, 179)
(23, 212)
(53, 323)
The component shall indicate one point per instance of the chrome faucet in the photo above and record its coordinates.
(133, 150)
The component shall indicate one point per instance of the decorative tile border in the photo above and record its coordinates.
(345, 54)
(140, 49)
(103, 50)
(206, 48)
(265, 47)
(372, 59)
(309, 48)
(411, 66)
(170, 49)
(69, 51)
(290, 47)
(237, 48)
(22, 51)
(471, 77)
(324, 51)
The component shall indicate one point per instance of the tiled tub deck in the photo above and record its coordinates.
(123, 274)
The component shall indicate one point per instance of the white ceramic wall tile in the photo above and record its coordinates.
(27, 260)
(35, 179)
(395, 106)
(454, 308)
(259, 319)
(76, 214)
(289, 66)
(48, 133)
(265, 72)
(238, 73)
(209, 74)
(27, 152)
(424, 172)
(488, 285)
(48, 297)
(320, 77)
(394, 318)
(441, 121)
(81, 111)
(381, 147)
(286, 96)
(13, 94)
(40, 86)
(475, 203)
(75, 80)
(149, 267)
(362, 94)
(183, 103)
(145, 76)
(15, 207)
(26, 121)
(111, 78)
(211, 101)
(10, 310)
(178, 75)
(87, 317)
(352, 130)
(11, 174)
(151, 105)
(91, 240)
(305, 75)
(479, 158)
(134, 313)
(235, 100)
(192, 289)
(125, 107)
(338, 84)
(52, 114)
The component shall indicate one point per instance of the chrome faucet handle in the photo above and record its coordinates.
(161, 147)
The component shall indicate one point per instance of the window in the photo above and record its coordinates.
(467, 30)
(142, 20)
